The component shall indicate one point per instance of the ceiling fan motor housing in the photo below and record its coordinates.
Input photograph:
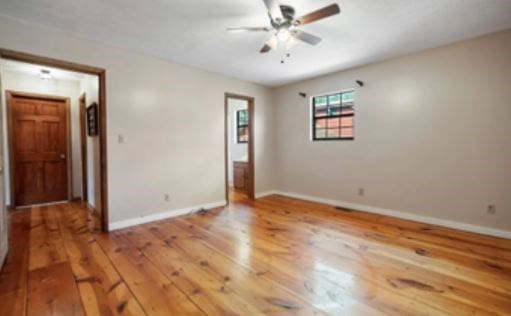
(288, 12)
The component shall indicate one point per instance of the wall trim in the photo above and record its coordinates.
(399, 214)
(265, 193)
(163, 215)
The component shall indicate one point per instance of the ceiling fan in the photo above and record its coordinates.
(284, 23)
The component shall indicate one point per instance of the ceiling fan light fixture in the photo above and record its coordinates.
(273, 42)
(290, 43)
(283, 34)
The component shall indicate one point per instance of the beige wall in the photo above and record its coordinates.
(152, 103)
(433, 135)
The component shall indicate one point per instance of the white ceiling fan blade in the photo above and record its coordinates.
(248, 29)
(306, 37)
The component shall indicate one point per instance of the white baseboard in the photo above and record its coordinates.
(263, 194)
(163, 215)
(399, 214)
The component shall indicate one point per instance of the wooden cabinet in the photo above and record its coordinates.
(240, 174)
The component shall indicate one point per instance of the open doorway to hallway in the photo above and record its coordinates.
(50, 123)
(239, 142)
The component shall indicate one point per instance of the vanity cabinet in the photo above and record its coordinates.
(240, 174)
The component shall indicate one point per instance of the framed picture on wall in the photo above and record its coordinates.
(92, 119)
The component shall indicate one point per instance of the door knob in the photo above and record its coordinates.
(62, 156)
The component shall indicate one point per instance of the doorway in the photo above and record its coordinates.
(239, 147)
(99, 142)
(39, 138)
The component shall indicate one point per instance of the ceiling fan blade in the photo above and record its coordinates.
(325, 12)
(266, 48)
(306, 37)
(273, 8)
(248, 29)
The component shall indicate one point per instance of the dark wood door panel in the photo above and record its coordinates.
(39, 137)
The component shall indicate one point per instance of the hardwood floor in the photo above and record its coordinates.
(273, 256)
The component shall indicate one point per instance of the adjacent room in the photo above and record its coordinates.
(281, 157)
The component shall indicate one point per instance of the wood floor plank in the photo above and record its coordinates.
(330, 267)
(473, 295)
(52, 291)
(443, 237)
(199, 270)
(452, 263)
(276, 255)
(278, 264)
(14, 274)
(102, 289)
(156, 292)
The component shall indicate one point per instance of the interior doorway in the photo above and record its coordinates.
(43, 137)
(239, 147)
(39, 150)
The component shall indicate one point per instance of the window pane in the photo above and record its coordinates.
(320, 111)
(333, 122)
(320, 100)
(347, 96)
(334, 110)
(347, 121)
(347, 110)
(334, 99)
(333, 133)
(321, 123)
(347, 132)
(242, 117)
(320, 133)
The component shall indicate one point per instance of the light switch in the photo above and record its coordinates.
(121, 139)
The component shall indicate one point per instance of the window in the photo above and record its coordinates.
(242, 126)
(333, 116)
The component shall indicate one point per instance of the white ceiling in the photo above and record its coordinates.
(35, 70)
(192, 32)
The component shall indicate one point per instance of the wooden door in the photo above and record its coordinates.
(39, 148)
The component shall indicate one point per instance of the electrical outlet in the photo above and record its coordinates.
(492, 209)
(121, 139)
(361, 192)
(166, 197)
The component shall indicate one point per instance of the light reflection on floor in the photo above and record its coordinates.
(333, 285)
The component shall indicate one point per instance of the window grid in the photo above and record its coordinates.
(333, 116)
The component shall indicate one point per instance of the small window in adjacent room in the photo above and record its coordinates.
(242, 126)
(333, 116)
